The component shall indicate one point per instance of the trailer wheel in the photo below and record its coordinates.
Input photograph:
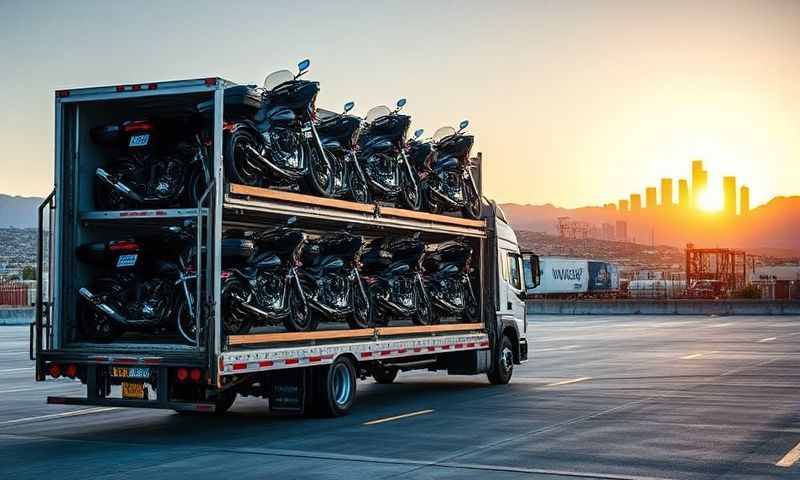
(502, 363)
(384, 374)
(335, 388)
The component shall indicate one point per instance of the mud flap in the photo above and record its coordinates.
(471, 362)
(290, 391)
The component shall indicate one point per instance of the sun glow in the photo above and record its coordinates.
(710, 201)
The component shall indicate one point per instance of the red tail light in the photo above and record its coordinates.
(71, 371)
(137, 126)
(196, 374)
(123, 246)
(183, 374)
(55, 370)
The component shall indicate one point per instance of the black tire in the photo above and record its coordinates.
(376, 317)
(424, 314)
(411, 195)
(185, 324)
(319, 179)
(384, 374)
(238, 165)
(96, 326)
(473, 208)
(235, 320)
(360, 318)
(300, 318)
(334, 388)
(502, 364)
(471, 313)
(196, 187)
(431, 205)
(358, 190)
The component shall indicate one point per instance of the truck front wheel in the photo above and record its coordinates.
(335, 388)
(502, 363)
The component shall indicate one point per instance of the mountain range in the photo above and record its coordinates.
(770, 229)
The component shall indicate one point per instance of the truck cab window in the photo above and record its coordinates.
(515, 271)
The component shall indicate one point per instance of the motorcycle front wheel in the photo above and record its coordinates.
(187, 326)
(423, 315)
(196, 188)
(360, 317)
(473, 207)
(358, 188)
(240, 167)
(320, 177)
(235, 320)
(300, 318)
(410, 197)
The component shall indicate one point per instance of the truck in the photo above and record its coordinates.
(573, 277)
(312, 372)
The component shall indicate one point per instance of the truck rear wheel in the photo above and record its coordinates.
(502, 363)
(335, 388)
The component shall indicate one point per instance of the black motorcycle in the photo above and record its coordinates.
(391, 269)
(383, 160)
(147, 285)
(446, 172)
(448, 281)
(278, 143)
(333, 287)
(269, 291)
(151, 171)
(339, 134)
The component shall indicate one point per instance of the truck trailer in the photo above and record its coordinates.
(301, 371)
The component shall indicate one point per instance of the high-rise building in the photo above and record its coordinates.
(623, 206)
(683, 193)
(729, 194)
(608, 232)
(666, 192)
(636, 202)
(744, 199)
(699, 181)
(650, 197)
(622, 231)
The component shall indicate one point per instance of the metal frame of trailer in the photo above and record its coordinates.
(230, 205)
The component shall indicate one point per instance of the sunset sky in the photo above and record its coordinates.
(573, 103)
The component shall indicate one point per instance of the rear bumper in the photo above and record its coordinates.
(119, 402)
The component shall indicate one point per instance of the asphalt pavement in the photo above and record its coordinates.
(629, 397)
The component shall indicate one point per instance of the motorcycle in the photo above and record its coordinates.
(269, 290)
(279, 143)
(447, 277)
(339, 136)
(383, 160)
(446, 173)
(391, 269)
(153, 295)
(333, 287)
(149, 173)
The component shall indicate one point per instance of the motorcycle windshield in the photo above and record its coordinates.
(277, 78)
(442, 133)
(377, 112)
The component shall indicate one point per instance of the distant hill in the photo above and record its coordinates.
(771, 229)
(19, 212)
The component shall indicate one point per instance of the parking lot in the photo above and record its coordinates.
(630, 397)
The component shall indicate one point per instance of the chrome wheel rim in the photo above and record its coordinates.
(507, 359)
(342, 387)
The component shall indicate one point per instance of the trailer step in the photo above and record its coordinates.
(120, 402)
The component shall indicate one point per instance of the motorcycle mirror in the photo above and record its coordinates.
(463, 125)
(303, 66)
(291, 220)
(401, 103)
(348, 106)
(418, 133)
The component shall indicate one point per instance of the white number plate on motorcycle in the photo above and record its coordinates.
(308, 132)
(139, 140)
(127, 260)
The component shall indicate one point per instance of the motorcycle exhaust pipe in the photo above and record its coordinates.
(267, 163)
(258, 311)
(103, 308)
(118, 186)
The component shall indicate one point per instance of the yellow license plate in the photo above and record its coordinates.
(133, 390)
(130, 372)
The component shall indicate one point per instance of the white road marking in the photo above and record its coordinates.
(767, 339)
(718, 325)
(9, 370)
(15, 353)
(397, 417)
(85, 411)
(554, 349)
(790, 458)
(698, 355)
(568, 382)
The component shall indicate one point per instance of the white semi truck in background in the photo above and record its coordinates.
(313, 371)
